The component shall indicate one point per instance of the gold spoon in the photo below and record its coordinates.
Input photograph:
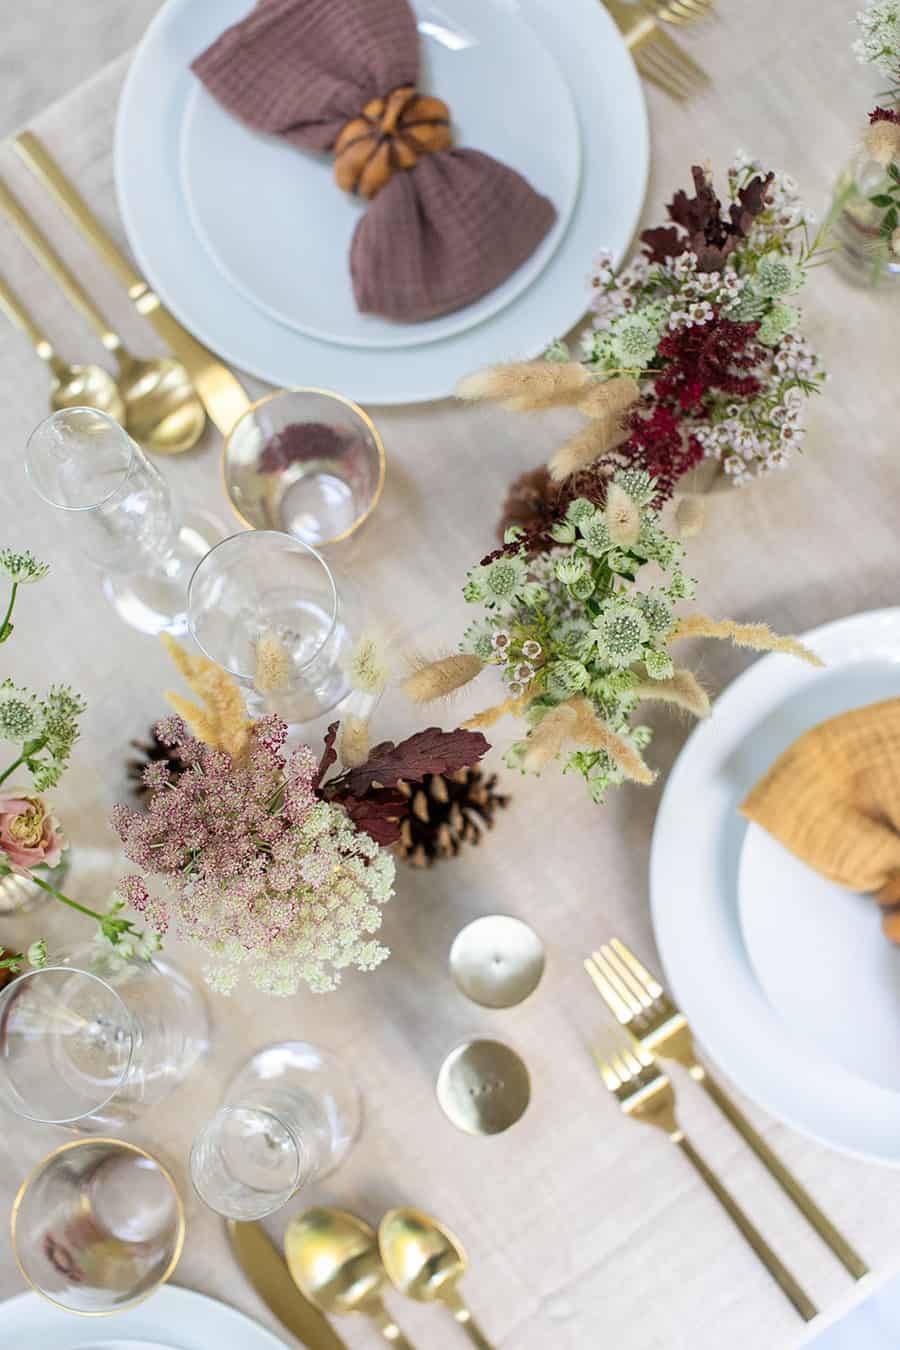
(333, 1259)
(161, 408)
(426, 1262)
(73, 386)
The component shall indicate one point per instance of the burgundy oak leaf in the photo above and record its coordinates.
(662, 243)
(378, 814)
(428, 751)
(329, 754)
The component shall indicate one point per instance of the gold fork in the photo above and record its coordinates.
(645, 1093)
(682, 11)
(641, 1005)
(656, 56)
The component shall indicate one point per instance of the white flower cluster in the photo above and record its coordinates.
(878, 44)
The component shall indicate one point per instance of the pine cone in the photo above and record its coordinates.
(446, 811)
(532, 502)
(150, 752)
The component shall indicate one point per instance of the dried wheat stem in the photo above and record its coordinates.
(441, 678)
(682, 689)
(590, 731)
(527, 385)
(222, 722)
(758, 636)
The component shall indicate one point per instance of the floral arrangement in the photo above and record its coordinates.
(268, 863)
(43, 731)
(579, 644)
(869, 194)
(696, 350)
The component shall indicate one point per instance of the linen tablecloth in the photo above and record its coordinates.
(583, 1229)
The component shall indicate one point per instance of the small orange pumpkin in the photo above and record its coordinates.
(389, 135)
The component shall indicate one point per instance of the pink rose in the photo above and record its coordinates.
(29, 836)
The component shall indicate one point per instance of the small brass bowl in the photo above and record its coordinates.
(304, 461)
(497, 961)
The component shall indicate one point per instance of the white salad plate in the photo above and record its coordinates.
(582, 42)
(171, 1319)
(783, 977)
(279, 228)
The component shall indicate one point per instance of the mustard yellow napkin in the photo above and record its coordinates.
(833, 799)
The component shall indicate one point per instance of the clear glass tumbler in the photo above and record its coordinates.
(863, 227)
(306, 461)
(288, 1119)
(97, 1226)
(91, 1041)
(267, 608)
(116, 507)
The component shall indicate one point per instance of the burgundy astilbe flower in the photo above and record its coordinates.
(885, 115)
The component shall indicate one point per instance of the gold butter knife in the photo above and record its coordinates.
(221, 394)
(265, 1268)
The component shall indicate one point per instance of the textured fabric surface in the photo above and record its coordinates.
(438, 236)
(584, 1230)
(833, 797)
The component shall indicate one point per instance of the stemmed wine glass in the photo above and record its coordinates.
(288, 1119)
(268, 609)
(116, 506)
(90, 1041)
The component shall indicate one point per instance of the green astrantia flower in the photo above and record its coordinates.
(657, 610)
(659, 665)
(776, 276)
(19, 713)
(565, 678)
(580, 511)
(780, 319)
(22, 568)
(573, 567)
(622, 632)
(635, 338)
(595, 533)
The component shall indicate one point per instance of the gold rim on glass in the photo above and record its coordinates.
(338, 398)
(32, 1177)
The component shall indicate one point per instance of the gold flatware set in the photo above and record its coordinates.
(658, 57)
(655, 1028)
(164, 401)
(335, 1265)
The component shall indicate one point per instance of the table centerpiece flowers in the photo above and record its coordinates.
(269, 861)
(42, 729)
(696, 350)
(578, 643)
(865, 211)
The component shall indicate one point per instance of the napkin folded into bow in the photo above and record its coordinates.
(445, 226)
(833, 800)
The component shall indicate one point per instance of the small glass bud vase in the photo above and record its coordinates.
(865, 217)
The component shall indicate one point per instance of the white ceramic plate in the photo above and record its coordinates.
(764, 1043)
(822, 960)
(601, 77)
(171, 1319)
(279, 228)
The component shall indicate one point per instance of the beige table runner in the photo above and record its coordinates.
(583, 1230)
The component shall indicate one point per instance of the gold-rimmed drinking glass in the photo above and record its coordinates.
(97, 1226)
(306, 461)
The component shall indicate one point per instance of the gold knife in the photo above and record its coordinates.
(221, 394)
(265, 1268)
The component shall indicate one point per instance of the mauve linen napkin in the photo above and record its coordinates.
(438, 236)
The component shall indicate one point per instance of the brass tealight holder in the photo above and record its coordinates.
(483, 1087)
(497, 961)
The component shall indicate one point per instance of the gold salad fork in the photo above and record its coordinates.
(641, 1005)
(646, 1094)
(656, 56)
(682, 11)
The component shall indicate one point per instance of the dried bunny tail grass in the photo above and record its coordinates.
(758, 636)
(492, 715)
(524, 385)
(623, 516)
(610, 398)
(439, 679)
(545, 742)
(590, 731)
(222, 722)
(690, 517)
(580, 450)
(682, 689)
(273, 664)
(882, 142)
(354, 742)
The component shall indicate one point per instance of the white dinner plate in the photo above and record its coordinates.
(599, 72)
(821, 959)
(762, 1042)
(279, 228)
(171, 1319)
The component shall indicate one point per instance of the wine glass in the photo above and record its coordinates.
(288, 1119)
(97, 1226)
(90, 1041)
(266, 608)
(116, 506)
